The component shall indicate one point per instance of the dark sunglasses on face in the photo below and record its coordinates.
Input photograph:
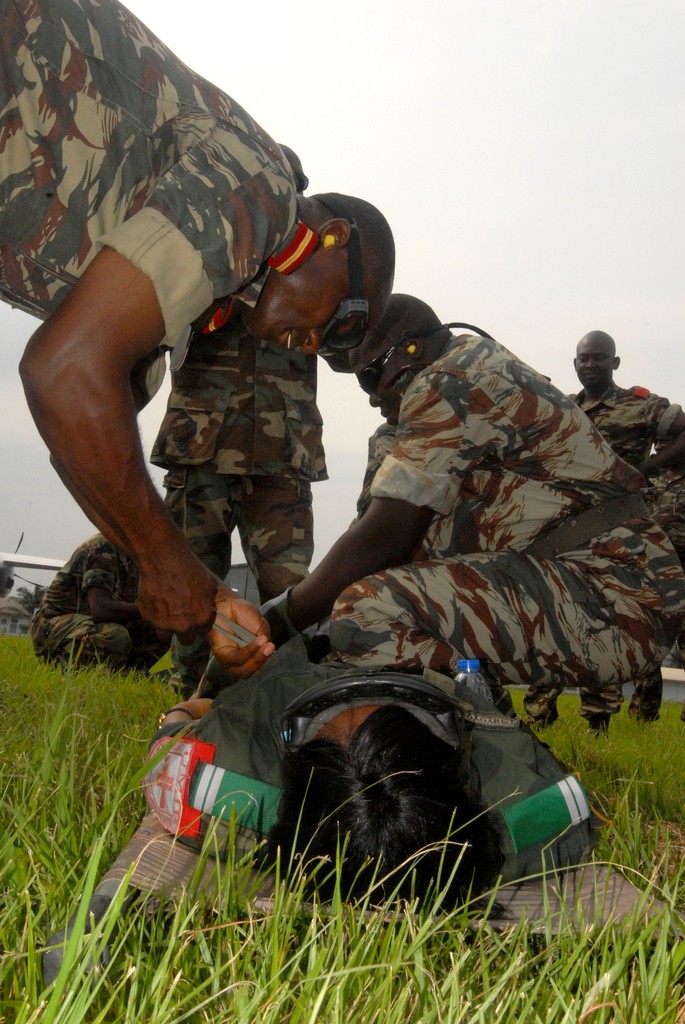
(370, 377)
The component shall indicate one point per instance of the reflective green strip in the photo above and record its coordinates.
(219, 792)
(546, 814)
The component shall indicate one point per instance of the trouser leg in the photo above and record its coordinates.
(204, 505)
(531, 622)
(645, 703)
(78, 640)
(540, 703)
(276, 526)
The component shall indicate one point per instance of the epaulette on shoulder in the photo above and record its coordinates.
(641, 392)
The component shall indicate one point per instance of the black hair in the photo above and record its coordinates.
(388, 801)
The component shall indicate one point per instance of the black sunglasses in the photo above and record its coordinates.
(370, 377)
(347, 327)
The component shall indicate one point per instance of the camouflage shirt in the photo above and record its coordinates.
(107, 138)
(95, 563)
(381, 444)
(496, 451)
(631, 419)
(242, 407)
(666, 499)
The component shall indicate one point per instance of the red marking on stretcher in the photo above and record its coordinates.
(167, 784)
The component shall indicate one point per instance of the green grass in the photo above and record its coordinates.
(72, 748)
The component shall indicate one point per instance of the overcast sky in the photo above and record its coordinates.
(528, 155)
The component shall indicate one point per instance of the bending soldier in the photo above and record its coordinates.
(242, 443)
(139, 199)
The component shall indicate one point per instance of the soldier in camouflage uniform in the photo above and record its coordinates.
(241, 441)
(667, 505)
(633, 421)
(135, 199)
(89, 613)
(381, 444)
(536, 554)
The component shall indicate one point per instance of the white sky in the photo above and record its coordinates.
(528, 155)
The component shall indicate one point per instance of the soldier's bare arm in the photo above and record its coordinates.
(387, 535)
(187, 711)
(671, 455)
(104, 608)
(76, 372)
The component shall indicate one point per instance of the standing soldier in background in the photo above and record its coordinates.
(241, 442)
(633, 421)
(667, 505)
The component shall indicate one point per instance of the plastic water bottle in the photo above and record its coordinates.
(468, 671)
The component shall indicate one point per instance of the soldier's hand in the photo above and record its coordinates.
(178, 597)
(236, 621)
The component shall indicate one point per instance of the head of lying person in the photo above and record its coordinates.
(373, 771)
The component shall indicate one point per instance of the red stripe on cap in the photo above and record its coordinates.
(296, 251)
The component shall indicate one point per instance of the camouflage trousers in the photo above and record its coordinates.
(78, 640)
(531, 622)
(680, 643)
(645, 702)
(540, 701)
(275, 523)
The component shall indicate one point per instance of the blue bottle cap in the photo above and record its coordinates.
(469, 665)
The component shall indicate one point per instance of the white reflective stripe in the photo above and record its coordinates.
(223, 793)
(207, 788)
(574, 795)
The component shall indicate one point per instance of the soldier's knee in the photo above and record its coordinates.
(111, 643)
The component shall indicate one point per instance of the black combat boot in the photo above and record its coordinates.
(544, 721)
(599, 723)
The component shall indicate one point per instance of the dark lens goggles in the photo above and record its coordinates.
(346, 328)
(432, 706)
(370, 377)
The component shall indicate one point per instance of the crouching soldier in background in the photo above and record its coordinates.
(89, 613)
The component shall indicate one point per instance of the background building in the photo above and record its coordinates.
(14, 618)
